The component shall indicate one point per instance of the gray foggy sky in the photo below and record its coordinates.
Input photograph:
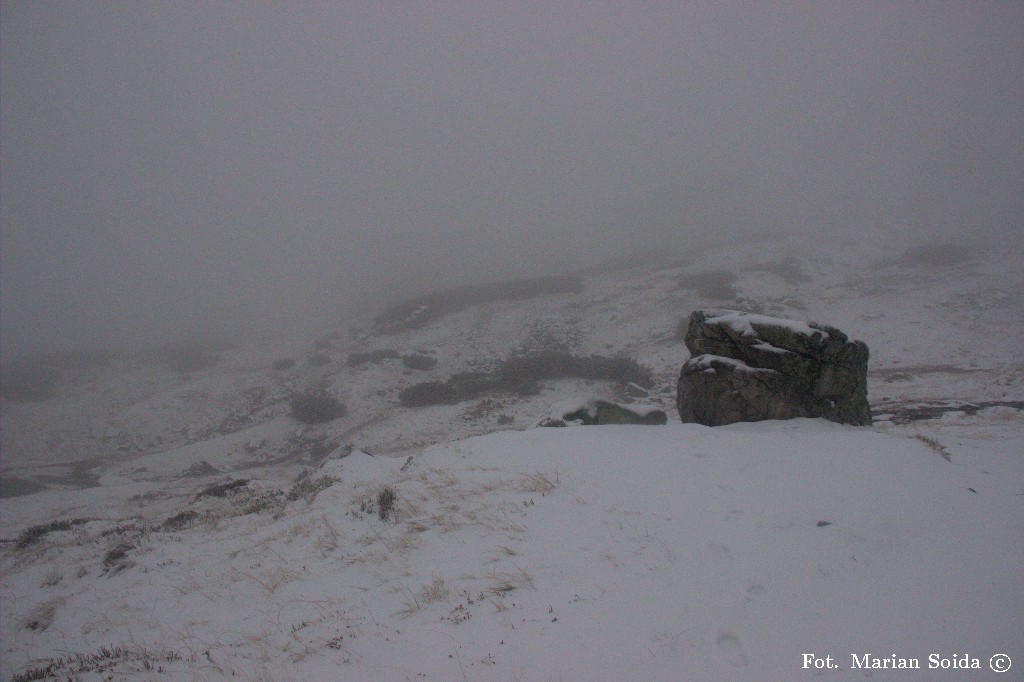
(191, 168)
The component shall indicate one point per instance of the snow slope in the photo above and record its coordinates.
(589, 553)
(159, 521)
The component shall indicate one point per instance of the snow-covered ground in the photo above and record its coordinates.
(185, 526)
(590, 553)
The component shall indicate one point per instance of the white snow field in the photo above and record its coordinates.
(588, 553)
(159, 524)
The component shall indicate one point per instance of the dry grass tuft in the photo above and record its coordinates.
(329, 539)
(385, 502)
(116, 559)
(222, 489)
(42, 616)
(308, 487)
(435, 591)
(180, 521)
(535, 483)
(505, 582)
(36, 533)
(934, 445)
(105, 662)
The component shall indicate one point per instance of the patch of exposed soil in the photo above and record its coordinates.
(906, 413)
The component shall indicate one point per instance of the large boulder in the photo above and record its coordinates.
(748, 367)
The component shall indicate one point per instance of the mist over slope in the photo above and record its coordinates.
(189, 171)
(175, 506)
(286, 288)
(941, 324)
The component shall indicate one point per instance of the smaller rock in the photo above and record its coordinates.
(551, 422)
(200, 468)
(596, 412)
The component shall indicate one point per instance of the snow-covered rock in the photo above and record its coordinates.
(748, 367)
(596, 412)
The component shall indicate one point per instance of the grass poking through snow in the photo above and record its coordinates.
(934, 445)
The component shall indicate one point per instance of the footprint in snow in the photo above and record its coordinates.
(731, 646)
(720, 549)
(752, 593)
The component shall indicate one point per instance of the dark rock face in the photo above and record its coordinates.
(748, 367)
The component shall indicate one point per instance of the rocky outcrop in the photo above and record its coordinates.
(602, 412)
(747, 367)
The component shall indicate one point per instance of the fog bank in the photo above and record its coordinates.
(186, 170)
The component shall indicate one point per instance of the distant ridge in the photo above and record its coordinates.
(422, 310)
